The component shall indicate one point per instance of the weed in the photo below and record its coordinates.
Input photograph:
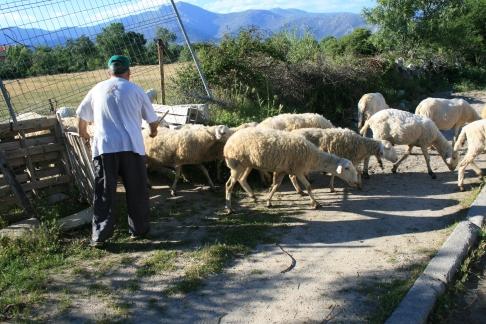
(387, 294)
(157, 263)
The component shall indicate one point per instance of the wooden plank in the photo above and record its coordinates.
(30, 125)
(35, 159)
(62, 179)
(34, 150)
(15, 187)
(30, 141)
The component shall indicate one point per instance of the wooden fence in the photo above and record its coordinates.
(42, 159)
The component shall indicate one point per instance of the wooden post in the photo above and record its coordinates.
(160, 51)
(15, 186)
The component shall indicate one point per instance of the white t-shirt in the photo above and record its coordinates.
(117, 106)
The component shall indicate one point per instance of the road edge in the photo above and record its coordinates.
(420, 300)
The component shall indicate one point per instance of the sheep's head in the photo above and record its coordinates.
(221, 132)
(451, 159)
(388, 152)
(346, 171)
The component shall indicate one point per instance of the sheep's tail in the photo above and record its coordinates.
(365, 128)
(460, 140)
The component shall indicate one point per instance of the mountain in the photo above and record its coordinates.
(201, 25)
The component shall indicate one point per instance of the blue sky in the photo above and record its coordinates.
(55, 14)
(224, 6)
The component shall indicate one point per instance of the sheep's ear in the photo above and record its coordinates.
(339, 169)
(219, 131)
(388, 145)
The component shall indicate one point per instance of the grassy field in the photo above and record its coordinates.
(68, 89)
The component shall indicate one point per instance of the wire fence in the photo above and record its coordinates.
(53, 52)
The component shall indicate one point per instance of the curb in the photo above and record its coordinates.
(420, 299)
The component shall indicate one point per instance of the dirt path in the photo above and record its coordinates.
(339, 263)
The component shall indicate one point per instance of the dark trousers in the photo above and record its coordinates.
(133, 172)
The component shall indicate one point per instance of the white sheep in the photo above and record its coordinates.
(64, 112)
(475, 134)
(369, 104)
(290, 122)
(188, 145)
(447, 113)
(282, 153)
(483, 112)
(348, 144)
(152, 94)
(404, 128)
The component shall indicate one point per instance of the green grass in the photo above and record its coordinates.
(467, 201)
(387, 294)
(446, 303)
(159, 262)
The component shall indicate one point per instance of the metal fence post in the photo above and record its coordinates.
(6, 97)
(193, 54)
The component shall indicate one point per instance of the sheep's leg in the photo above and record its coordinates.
(456, 133)
(230, 184)
(468, 158)
(380, 162)
(296, 185)
(178, 170)
(308, 188)
(206, 174)
(277, 180)
(395, 166)
(427, 161)
(244, 184)
(331, 183)
(366, 164)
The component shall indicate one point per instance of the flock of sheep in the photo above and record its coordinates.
(298, 144)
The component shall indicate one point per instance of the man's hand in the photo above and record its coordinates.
(153, 128)
(83, 129)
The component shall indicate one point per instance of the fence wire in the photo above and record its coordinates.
(53, 52)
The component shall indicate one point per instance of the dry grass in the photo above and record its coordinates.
(68, 89)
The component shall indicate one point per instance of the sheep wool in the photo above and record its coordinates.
(280, 152)
(289, 122)
(369, 104)
(447, 113)
(404, 128)
(347, 144)
(475, 134)
(178, 147)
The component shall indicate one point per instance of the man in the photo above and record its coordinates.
(116, 107)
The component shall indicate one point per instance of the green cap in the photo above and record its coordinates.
(119, 64)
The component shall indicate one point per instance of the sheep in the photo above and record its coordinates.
(447, 113)
(475, 134)
(290, 122)
(152, 94)
(282, 153)
(402, 127)
(188, 145)
(483, 112)
(369, 104)
(347, 144)
(64, 112)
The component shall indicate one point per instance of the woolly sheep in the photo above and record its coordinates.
(447, 113)
(369, 104)
(483, 112)
(290, 122)
(402, 127)
(282, 153)
(152, 94)
(475, 134)
(64, 112)
(347, 144)
(188, 145)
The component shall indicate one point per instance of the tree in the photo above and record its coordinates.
(425, 28)
(82, 51)
(114, 40)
